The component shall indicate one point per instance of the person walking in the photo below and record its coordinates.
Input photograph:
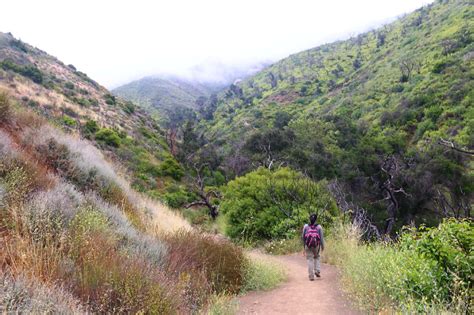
(313, 241)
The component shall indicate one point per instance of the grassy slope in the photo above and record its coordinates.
(70, 100)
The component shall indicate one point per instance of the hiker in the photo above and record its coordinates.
(313, 241)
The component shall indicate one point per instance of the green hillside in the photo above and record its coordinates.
(161, 94)
(369, 111)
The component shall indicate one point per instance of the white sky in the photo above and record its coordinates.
(115, 41)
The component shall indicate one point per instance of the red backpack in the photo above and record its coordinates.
(312, 239)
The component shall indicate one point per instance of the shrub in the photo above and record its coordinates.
(28, 71)
(108, 136)
(90, 128)
(426, 271)
(5, 107)
(450, 246)
(109, 99)
(221, 263)
(68, 121)
(169, 167)
(69, 85)
(18, 44)
(129, 107)
(264, 204)
(176, 199)
(22, 296)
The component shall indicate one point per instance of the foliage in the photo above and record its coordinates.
(31, 72)
(68, 121)
(169, 167)
(90, 128)
(268, 204)
(108, 136)
(110, 99)
(177, 198)
(349, 110)
(408, 276)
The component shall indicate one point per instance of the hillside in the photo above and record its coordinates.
(161, 94)
(174, 98)
(370, 111)
(75, 234)
(77, 104)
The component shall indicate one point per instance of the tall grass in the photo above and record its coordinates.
(23, 296)
(68, 218)
(403, 276)
(262, 273)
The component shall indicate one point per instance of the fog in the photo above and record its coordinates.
(117, 41)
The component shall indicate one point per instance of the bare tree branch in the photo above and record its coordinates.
(452, 146)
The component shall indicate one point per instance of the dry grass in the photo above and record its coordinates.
(163, 220)
(203, 256)
(262, 272)
(21, 295)
(95, 241)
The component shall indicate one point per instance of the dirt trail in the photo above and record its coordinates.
(299, 295)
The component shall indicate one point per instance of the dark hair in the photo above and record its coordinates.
(312, 218)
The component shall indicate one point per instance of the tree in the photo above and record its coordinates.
(273, 80)
(407, 66)
(281, 120)
(266, 147)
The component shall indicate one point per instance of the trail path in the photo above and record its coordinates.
(299, 295)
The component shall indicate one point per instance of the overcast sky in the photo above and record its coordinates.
(115, 41)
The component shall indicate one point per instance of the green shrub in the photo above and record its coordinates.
(428, 270)
(169, 167)
(110, 99)
(68, 121)
(129, 107)
(90, 128)
(265, 205)
(108, 136)
(450, 246)
(176, 199)
(28, 71)
(69, 85)
(18, 44)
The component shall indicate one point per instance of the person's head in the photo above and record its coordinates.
(312, 218)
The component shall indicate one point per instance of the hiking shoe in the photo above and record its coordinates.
(311, 279)
(317, 274)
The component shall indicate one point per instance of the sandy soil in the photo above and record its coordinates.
(299, 295)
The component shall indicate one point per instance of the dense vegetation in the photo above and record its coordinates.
(266, 205)
(375, 131)
(429, 270)
(388, 113)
